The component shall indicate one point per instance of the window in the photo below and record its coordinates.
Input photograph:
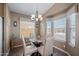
(27, 29)
(48, 28)
(72, 29)
(60, 29)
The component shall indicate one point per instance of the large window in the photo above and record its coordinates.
(60, 29)
(72, 29)
(27, 29)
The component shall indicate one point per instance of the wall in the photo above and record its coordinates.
(6, 29)
(78, 28)
(1, 9)
(1, 28)
(15, 31)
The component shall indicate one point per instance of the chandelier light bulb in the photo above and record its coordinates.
(33, 16)
(39, 16)
(41, 19)
(36, 19)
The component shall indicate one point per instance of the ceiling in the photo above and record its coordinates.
(30, 8)
(57, 8)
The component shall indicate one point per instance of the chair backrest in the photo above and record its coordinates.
(48, 47)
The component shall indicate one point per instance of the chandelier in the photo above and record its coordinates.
(36, 17)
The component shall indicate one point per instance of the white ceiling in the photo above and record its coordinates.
(30, 8)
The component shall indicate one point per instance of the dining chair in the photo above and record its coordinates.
(28, 50)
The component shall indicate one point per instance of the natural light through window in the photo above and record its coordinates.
(60, 29)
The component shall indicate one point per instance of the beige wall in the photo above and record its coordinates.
(1, 9)
(15, 31)
(1, 28)
(6, 29)
(78, 29)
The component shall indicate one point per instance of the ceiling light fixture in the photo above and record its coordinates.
(36, 17)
